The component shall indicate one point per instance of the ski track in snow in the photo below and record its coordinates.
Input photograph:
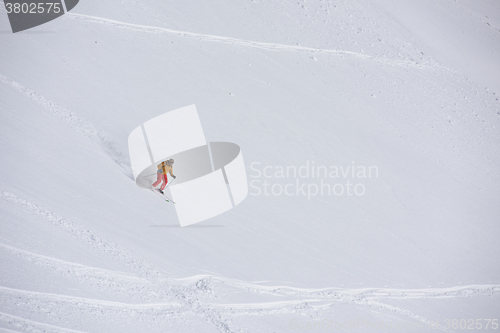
(49, 299)
(104, 280)
(359, 293)
(193, 294)
(87, 129)
(188, 297)
(79, 233)
(5, 330)
(241, 42)
(33, 326)
(312, 300)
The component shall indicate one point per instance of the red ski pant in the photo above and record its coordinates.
(161, 177)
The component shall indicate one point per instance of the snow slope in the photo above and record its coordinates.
(331, 83)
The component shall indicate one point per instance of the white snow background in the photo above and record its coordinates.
(409, 86)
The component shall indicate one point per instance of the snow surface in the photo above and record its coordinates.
(408, 86)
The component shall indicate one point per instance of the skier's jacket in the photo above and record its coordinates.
(164, 168)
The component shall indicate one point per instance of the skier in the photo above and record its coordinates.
(164, 168)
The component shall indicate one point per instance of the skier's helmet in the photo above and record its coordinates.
(171, 161)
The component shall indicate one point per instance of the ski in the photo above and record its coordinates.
(163, 196)
(157, 191)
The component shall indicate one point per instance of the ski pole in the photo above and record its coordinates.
(170, 182)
